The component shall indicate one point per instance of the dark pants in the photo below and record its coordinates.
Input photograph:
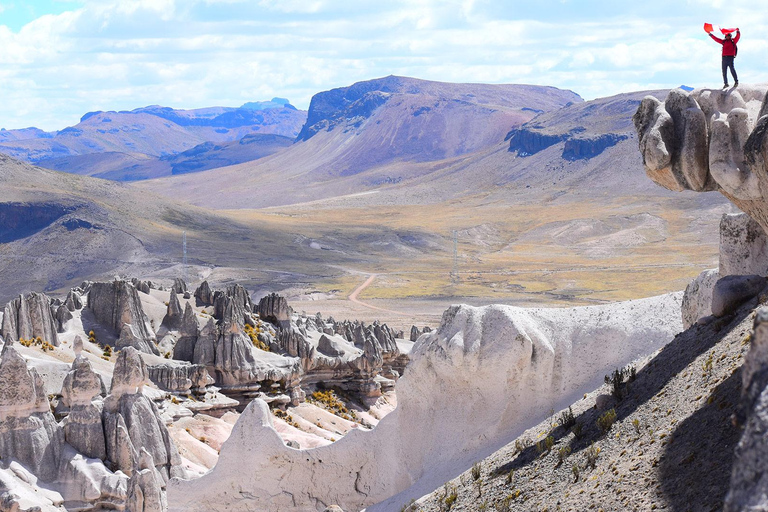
(728, 64)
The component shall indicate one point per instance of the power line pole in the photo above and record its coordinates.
(184, 249)
(455, 271)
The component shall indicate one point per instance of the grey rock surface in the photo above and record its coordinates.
(274, 309)
(116, 304)
(749, 480)
(29, 316)
(730, 292)
(329, 347)
(743, 246)
(204, 295)
(129, 337)
(697, 299)
(709, 140)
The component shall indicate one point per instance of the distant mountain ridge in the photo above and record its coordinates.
(141, 143)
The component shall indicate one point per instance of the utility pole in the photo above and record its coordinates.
(184, 249)
(455, 271)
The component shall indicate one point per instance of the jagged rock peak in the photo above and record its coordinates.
(173, 316)
(204, 295)
(179, 286)
(274, 308)
(30, 316)
(130, 338)
(117, 303)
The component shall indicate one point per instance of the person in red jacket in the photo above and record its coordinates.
(729, 54)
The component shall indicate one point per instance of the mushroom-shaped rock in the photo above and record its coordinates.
(174, 313)
(709, 140)
(28, 431)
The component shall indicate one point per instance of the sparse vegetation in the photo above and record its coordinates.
(575, 472)
(606, 420)
(286, 418)
(578, 430)
(253, 334)
(476, 471)
(36, 342)
(522, 444)
(545, 445)
(449, 497)
(567, 419)
(330, 401)
(619, 380)
(563, 454)
(591, 453)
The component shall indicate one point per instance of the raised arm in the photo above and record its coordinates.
(738, 36)
(716, 38)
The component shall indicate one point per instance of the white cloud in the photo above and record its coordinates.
(121, 54)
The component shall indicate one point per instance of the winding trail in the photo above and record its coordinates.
(353, 297)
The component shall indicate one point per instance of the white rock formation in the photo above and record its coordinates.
(473, 385)
(743, 251)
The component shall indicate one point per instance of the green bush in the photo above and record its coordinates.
(606, 420)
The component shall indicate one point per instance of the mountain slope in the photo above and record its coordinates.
(389, 122)
(137, 166)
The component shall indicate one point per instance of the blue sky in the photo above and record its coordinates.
(62, 58)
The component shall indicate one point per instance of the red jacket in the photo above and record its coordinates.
(729, 46)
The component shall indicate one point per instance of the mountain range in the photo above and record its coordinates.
(526, 193)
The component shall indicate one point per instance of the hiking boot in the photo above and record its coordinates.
(736, 84)
(725, 86)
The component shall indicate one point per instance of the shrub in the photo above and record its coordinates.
(567, 419)
(592, 453)
(606, 420)
(476, 471)
(510, 476)
(563, 454)
(578, 430)
(636, 425)
(619, 379)
(253, 334)
(521, 445)
(330, 401)
(575, 472)
(545, 445)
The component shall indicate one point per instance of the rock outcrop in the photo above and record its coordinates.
(83, 427)
(521, 363)
(749, 480)
(116, 305)
(30, 316)
(189, 330)
(274, 309)
(204, 295)
(743, 251)
(709, 140)
(730, 292)
(132, 421)
(180, 378)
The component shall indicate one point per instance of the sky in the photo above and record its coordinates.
(63, 58)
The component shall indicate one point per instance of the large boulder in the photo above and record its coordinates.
(30, 316)
(730, 292)
(116, 304)
(743, 246)
(180, 378)
(697, 299)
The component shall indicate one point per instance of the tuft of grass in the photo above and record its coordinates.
(578, 430)
(619, 380)
(563, 454)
